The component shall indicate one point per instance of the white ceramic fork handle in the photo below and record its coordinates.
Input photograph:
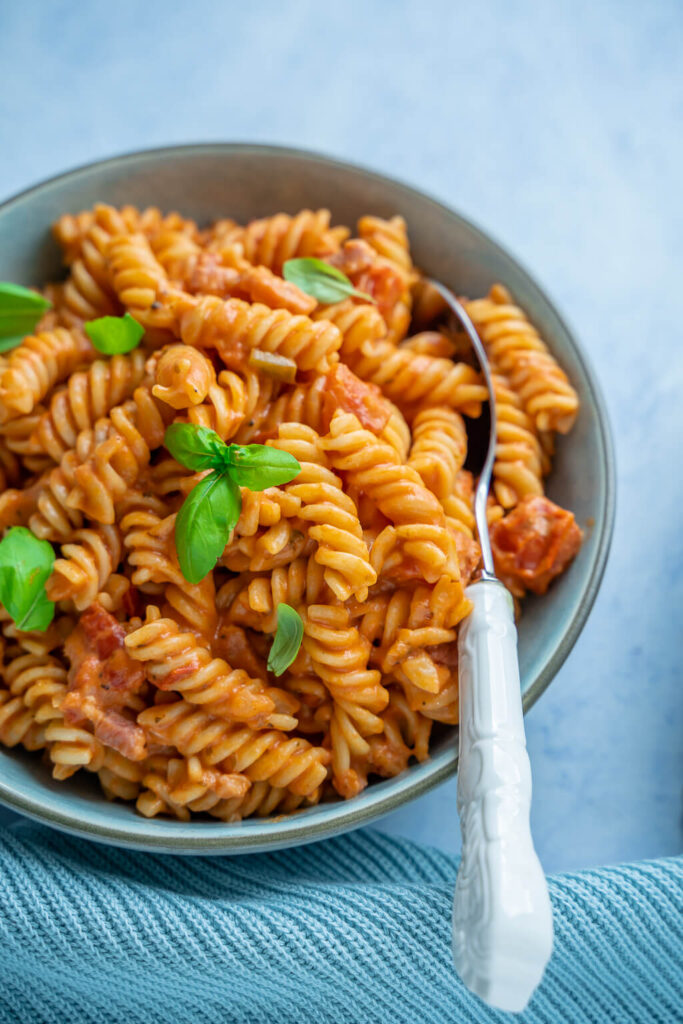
(502, 921)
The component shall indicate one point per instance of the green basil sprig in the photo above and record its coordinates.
(25, 565)
(211, 510)
(287, 641)
(321, 281)
(20, 311)
(115, 335)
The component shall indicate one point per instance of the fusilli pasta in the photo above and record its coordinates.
(161, 688)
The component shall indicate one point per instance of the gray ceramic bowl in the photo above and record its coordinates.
(244, 181)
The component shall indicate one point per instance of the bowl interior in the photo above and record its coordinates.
(244, 182)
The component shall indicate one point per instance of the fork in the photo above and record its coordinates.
(502, 919)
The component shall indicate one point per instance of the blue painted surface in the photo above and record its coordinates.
(556, 127)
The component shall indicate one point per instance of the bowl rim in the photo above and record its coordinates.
(292, 830)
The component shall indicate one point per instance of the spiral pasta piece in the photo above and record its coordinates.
(439, 448)
(431, 343)
(176, 250)
(374, 467)
(72, 747)
(49, 517)
(114, 465)
(88, 396)
(142, 285)
(262, 799)
(335, 525)
(307, 403)
(36, 365)
(19, 437)
(255, 603)
(177, 661)
(357, 323)
(413, 380)
(17, 724)
(340, 655)
(183, 377)
(176, 786)
(407, 629)
(438, 707)
(271, 241)
(168, 793)
(429, 305)
(88, 292)
(271, 756)
(235, 327)
(459, 504)
(389, 239)
(119, 777)
(87, 562)
(520, 460)
(33, 682)
(517, 351)
(349, 726)
(9, 464)
(69, 232)
(149, 540)
(226, 405)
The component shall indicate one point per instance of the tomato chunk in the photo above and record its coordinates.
(534, 543)
(345, 391)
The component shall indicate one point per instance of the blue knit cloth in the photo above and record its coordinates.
(355, 929)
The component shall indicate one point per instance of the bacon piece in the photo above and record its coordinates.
(232, 645)
(259, 284)
(343, 390)
(533, 544)
(370, 273)
(445, 654)
(210, 277)
(252, 284)
(103, 680)
(354, 257)
(469, 554)
(384, 283)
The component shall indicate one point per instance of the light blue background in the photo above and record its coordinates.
(558, 128)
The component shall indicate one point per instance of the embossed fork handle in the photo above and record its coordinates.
(502, 920)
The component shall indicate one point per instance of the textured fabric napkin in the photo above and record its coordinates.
(355, 929)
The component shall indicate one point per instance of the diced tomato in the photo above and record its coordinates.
(534, 543)
(343, 390)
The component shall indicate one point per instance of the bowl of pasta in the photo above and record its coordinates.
(238, 440)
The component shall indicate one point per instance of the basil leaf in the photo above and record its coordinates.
(288, 637)
(7, 343)
(258, 466)
(25, 565)
(195, 447)
(320, 280)
(115, 335)
(20, 311)
(204, 524)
